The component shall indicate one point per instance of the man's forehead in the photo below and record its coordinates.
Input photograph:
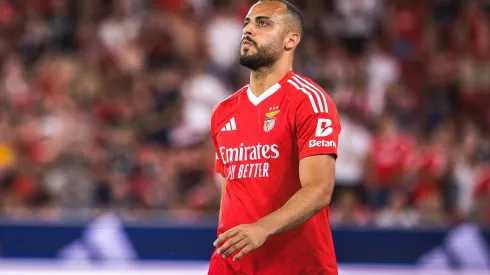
(267, 8)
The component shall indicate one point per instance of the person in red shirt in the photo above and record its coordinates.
(276, 143)
(432, 164)
(387, 159)
(482, 195)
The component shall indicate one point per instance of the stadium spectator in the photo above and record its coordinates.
(398, 213)
(105, 106)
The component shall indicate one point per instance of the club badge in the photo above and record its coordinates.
(270, 121)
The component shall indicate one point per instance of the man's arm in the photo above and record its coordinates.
(317, 176)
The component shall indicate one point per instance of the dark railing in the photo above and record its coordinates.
(108, 238)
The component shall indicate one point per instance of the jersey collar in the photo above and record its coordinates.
(255, 100)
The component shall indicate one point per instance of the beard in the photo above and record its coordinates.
(265, 56)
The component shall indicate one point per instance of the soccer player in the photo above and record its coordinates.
(276, 143)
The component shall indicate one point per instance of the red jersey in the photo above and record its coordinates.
(259, 142)
(482, 187)
(389, 157)
(482, 196)
(433, 165)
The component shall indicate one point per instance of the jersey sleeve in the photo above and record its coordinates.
(317, 129)
(219, 162)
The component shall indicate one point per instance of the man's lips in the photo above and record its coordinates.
(246, 42)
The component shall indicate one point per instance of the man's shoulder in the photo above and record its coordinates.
(229, 101)
(303, 90)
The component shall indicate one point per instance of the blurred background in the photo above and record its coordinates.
(105, 106)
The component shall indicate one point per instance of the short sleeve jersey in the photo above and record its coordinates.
(259, 142)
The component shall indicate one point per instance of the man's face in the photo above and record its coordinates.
(263, 35)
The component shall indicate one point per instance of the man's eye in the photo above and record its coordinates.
(263, 23)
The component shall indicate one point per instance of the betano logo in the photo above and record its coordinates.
(322, 143)
(323, 128)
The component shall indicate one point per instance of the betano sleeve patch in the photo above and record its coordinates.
(316, 131)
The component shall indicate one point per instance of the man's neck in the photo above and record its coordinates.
(263, 79)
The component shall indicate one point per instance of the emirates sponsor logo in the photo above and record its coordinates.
(256, 153)
(246, 153)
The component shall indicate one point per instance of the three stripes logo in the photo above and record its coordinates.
(317, 98)
(230, 126)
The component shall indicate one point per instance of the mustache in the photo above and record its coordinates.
(249, 40)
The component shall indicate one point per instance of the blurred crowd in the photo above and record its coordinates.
(106, 105)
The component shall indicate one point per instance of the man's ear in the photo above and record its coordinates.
(291, 41)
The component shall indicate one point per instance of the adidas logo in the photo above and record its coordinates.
(230, 126)
(104, 239)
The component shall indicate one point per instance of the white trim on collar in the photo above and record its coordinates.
(256, 100)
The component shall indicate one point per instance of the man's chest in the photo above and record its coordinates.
(254, 139)
(266, 125)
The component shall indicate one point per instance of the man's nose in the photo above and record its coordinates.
(248, 30)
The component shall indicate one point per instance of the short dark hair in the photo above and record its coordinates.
(294, 12)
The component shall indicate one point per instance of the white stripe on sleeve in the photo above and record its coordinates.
(312, 101)
(316, 89)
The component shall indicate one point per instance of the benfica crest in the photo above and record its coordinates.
(270, 121)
